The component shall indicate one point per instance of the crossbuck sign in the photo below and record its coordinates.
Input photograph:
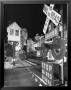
(51, 14)
(47, 19)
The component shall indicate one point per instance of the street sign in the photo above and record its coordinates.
(51, 14)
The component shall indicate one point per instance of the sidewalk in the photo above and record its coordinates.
(8, 65)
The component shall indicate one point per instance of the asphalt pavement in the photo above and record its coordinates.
(19, 76)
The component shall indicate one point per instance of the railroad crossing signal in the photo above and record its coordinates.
(47, 19)
(51, 15)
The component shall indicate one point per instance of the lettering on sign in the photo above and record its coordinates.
(52, 15)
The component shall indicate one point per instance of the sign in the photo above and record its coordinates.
(47, 21)
(50, 56)
(51, 34)
(51, 14)
(45, 25)
(47, 73)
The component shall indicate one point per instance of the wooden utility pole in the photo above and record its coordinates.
(62, 36)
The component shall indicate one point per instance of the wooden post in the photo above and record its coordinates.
(14, 52)
(62, 37)
(62, 72)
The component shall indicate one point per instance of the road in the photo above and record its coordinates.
(19, 76)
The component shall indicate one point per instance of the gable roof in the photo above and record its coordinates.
(14, 25)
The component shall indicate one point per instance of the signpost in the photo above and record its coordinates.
(55, 18)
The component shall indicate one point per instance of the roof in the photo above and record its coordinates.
(15, 26)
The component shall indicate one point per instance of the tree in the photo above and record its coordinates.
(8, 50)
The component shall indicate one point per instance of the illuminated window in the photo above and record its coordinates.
(17, 32)
(11, 31)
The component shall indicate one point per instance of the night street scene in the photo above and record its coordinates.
(35, 45)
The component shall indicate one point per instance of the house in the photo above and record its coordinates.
(14, 32)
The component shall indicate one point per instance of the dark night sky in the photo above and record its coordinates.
(28, 16)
